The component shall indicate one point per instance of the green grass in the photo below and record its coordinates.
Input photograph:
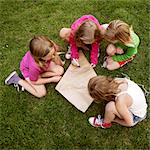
(52, 122)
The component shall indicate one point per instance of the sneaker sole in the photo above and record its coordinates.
(6, 80)
(68, 56)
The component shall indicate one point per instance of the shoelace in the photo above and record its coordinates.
(99, 119)
(18, 88)
(104, 62)
(69, 50)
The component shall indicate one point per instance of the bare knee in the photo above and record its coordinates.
(111, 50)
(113, 66)
(110, 67)
(60, 71)
(110, 107)
(41, 93)
(65, 33)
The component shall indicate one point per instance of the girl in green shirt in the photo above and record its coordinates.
(124, 44)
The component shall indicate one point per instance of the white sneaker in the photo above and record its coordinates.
(75, 62)
(98, 122)
(19, 87)
(104, 64)
(68, 54)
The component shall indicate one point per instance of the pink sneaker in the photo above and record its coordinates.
(98, 122)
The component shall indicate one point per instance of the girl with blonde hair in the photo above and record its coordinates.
(40, 65)
(126, 102)
(85, 33)
(124, 44)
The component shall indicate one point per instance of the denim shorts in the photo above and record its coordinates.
(137, 119)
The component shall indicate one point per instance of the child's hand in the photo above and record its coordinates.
(93, 65)
(119, 51)
(75, 62)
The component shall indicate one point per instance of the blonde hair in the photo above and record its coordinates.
(87, 31)
(103, 88)
(118, 30)
(40, 46)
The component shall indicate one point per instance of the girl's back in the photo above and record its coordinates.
(139, 105)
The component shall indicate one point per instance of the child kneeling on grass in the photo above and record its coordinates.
(124, 44)
(126, 101)
(39, 66)
(84, 33)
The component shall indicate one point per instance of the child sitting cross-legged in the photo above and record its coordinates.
(126, 101)
(40, 65)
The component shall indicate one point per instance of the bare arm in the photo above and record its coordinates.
(49, 74)
(122, 104)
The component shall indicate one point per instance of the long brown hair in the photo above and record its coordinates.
(89, 31)
(103, 88)
(40, 46)
(118, 30)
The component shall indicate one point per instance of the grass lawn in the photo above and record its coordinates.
(52, 122)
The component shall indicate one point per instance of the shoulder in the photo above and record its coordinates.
(135, 38)
(26, 54)
(25, 58)
(88, 17)
(104, 26)
(80, 20)
(123, 99)
(29, 57)
(31, 62)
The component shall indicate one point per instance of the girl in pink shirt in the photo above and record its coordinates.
(39, 66)
(84, 31)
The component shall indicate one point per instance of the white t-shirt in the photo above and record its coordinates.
(139, 105)
(105, 26)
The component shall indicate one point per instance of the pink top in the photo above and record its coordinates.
(95, 45)
(30, 68)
